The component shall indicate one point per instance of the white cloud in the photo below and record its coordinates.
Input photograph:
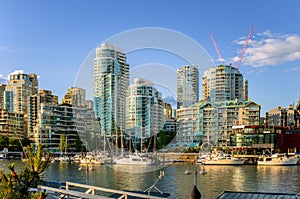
(293, 69)
(2, 79)
(267, 49)
(4, 49)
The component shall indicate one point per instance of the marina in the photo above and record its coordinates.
(218, 178)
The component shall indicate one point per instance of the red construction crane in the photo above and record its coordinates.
(245, 46)
(217, 49)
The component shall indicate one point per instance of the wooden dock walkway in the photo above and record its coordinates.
(89, 191)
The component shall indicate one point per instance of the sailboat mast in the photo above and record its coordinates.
(129, 142)
(66, 145)
(104, 143)
(122, 144)
(154, 141)
(116, 140)
(141, 135)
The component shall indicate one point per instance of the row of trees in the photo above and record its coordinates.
(13, 144)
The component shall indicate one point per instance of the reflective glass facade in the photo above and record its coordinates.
(111, 80)
(145, 110)
(187, 86)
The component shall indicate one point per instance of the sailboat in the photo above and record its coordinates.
(63, 157)
(133, 159)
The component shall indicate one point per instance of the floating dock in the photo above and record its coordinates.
(256, 195)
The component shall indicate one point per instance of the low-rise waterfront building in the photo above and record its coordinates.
(297, 115)
(259, 139)
(210, 122)
(280, 116)
(170, 125)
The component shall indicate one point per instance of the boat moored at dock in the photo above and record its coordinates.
(224, 159)
(277, 159)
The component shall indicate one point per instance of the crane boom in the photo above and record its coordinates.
(244, 49)
(217, 49)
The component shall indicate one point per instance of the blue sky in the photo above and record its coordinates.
(52, 39)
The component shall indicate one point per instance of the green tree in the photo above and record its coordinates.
(4, 141)
(164, 138)
(15, 144)
(15, 185)
(62, 144)
(78, 144)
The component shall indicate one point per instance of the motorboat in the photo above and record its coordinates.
(134, 159)
(223, 159)
(64, 159)
(277, 159)
(201, 158)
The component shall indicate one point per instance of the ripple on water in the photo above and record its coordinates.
(176, 182)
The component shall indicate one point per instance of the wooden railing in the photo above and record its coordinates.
(91, 192)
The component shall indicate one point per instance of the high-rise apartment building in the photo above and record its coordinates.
(188, 126)
(49, 122)
(224, 83)
(34, 110)
(76, 97)
(111, 80)
(20, 86)
(168, 111)
(2, 89)
(145, 110)
(187, 86)
(12, 124)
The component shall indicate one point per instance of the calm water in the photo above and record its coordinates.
(176, 182)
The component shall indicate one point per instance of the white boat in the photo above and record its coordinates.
(90, 159)
(201, 158)
(64, 159)
(133, 159)
(277, 159)
(222, 160)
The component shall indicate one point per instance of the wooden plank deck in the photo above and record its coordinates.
(256, 195)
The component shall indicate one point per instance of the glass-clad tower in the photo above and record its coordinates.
(187, 86)
(145, 110)
(111, 80)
